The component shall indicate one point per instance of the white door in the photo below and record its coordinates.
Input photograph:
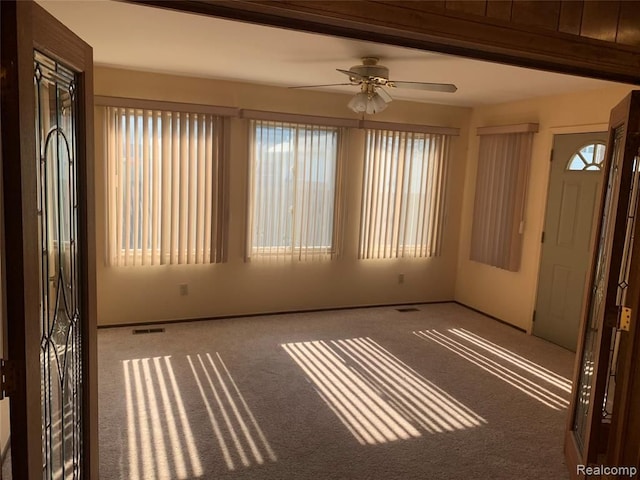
(574, 189)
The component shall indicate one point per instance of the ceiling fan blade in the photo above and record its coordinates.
(384, 94)
(351, 74)
(434, 87)
(326, 85)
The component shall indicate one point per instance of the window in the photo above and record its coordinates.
(501, 183)
(165, 187)
(589, 157)
(403, 194)
(293, 196)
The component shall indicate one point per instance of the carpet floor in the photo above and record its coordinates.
(441, 392)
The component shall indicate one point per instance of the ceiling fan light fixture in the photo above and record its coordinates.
(373, 78)
(377, 103)
(368, 103)
(359, 102)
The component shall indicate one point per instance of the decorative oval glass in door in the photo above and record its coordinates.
(60, 341)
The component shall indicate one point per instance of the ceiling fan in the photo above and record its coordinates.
(372, 77)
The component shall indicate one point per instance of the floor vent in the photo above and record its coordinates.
(408, 309)
(140, 331)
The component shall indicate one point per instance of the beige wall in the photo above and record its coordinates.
(131, 295)
(510, 296)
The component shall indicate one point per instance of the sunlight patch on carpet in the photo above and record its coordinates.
(534, 369)
(239, 437)
(375, 395)
(161, 444)
(530, 378)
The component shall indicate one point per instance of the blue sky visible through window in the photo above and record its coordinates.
(589, 157)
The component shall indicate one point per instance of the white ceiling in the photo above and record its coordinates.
(153, 39)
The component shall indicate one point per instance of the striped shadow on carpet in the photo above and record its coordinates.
(376, 396)
(366, 394)
(161, 442)
(530, 378)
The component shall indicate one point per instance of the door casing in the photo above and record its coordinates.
(617, 443)
(27, 26)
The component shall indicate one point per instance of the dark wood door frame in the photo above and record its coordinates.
(624, 443)
(27, 26)
(617, 443)
(16, 117)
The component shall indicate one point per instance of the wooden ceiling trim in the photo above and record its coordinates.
(500, 9)
(600, 20)
(435, 29)
(537, 14)
(570, 17)
(470, 7)
(629, 24)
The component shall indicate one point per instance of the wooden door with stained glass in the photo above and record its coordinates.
(49, 277)
(603, 419)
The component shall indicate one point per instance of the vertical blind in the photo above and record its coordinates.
(293, 196)
(166, 188)
(498, 215)
(403, 194)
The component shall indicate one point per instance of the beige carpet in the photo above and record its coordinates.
(438, 393)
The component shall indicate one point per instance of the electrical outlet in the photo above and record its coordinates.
(401, 278)
(184, 289)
